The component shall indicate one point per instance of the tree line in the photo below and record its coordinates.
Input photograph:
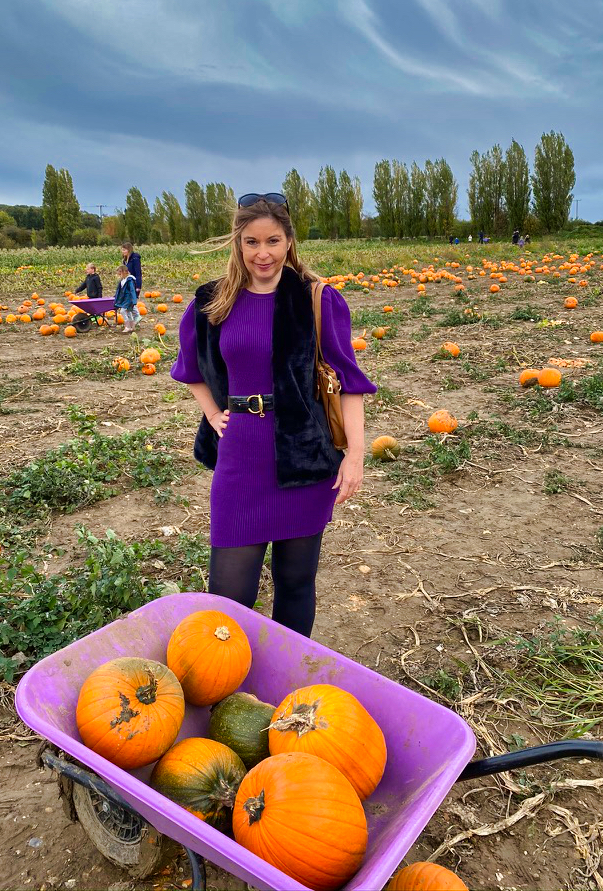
(410, 202)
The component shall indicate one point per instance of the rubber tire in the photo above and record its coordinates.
(142, 859)
(82, 322)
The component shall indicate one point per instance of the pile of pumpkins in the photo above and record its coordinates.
(283, 780)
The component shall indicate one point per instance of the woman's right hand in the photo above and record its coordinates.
(219, 421)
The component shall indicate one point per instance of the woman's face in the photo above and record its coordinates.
(264, 246)
(124, 253)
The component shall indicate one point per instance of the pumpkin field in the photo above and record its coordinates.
(468, 567)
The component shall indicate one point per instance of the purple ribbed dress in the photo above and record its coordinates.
(246, 505)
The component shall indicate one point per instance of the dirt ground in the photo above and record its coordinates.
(415, 594)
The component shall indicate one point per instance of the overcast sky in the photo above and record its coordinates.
(153, 93)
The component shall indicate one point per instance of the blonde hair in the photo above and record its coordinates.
(237, 276)
(123, 268)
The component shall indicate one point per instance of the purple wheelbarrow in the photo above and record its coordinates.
(429, 747)
(91, 310)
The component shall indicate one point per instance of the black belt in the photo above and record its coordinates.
(256, 404)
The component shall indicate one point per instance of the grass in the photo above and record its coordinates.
(416, 471)
(88, 469)
(403, 367)
(525, 313)
(422, 334)
(453, 318)
(556, 482)
(558, 677)
(43, 613)
(422, 306)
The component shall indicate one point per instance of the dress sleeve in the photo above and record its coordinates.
(336, 343)
(185, 369)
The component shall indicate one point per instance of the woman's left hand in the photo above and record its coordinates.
(349, 478)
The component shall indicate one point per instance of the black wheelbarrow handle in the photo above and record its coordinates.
(565, 748)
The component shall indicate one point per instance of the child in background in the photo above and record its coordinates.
(125, 299)
(91, 283)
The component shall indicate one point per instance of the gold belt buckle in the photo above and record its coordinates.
(260, 411)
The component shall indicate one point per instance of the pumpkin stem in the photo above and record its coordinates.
(146, 693)
(301, 720)
(222, 632)
(225, 793)
(254, 807)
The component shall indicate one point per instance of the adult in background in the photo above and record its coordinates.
(247, 353)
(515, 236)
(132, 261)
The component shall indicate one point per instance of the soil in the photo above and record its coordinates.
(419, 595)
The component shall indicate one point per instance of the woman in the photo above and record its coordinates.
(247, 346)
(132, 261)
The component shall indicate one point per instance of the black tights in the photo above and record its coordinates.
(235, 573)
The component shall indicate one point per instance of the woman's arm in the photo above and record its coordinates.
(217, 418)
(351, 469)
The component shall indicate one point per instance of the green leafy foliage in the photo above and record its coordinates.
(87, 469)
(44, 613)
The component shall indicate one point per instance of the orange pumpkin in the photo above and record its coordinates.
(359, 343)
(385, 448)
(148, 294)
(442, 422)
(549, 377)
(291, 804)
(70, 331)
(597, 337)
(388, 309)
(148, 368)
(451, 347)
(210, 654)
(160, 329)
(426, 877)
(570, 303)
(380, 332)
(203, 776)
(45, 330)
(177, 298)
(494, 289)
(129, 710)
(39, 314)
(121, 364)
(54, 329)
(150, 355)
(162, 307)
(529, 377)
(142, 309)
(10, 318)
(329, 722)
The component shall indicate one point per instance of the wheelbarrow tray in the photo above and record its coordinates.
(94, 306)
(427, 745)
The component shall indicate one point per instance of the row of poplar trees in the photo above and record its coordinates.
(409, 202)
(333, 207)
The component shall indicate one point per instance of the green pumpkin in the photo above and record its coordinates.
(203, 776)
(241, 722)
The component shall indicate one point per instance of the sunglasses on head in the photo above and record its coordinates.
(271, 197)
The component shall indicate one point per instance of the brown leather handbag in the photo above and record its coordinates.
(328, 386)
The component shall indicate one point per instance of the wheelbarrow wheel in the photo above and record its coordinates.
(123, 838)
(82, 322)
